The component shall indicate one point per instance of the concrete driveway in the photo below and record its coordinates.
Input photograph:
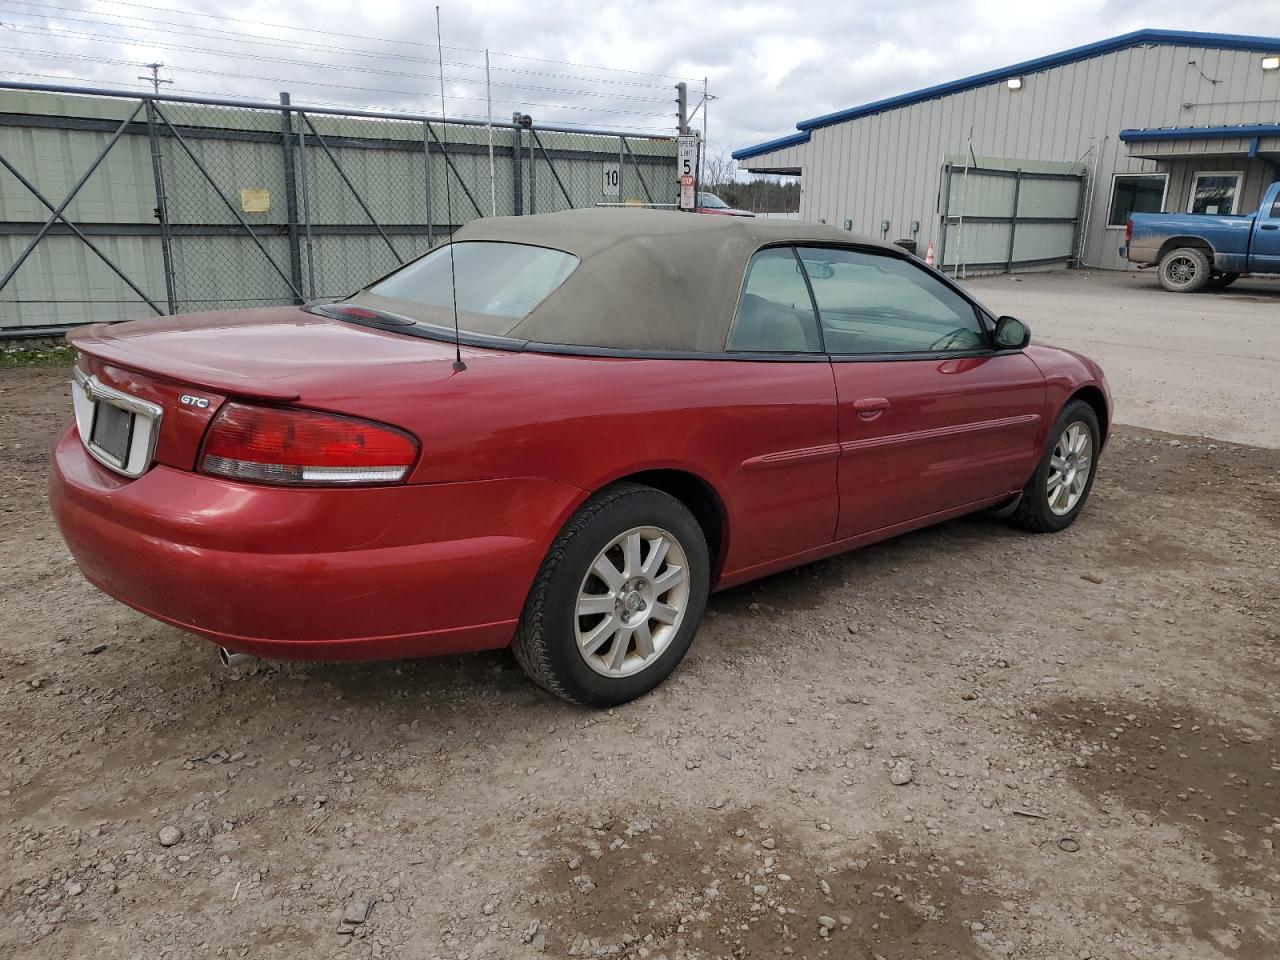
(1206, 364)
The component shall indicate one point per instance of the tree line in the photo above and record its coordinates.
(761, 194)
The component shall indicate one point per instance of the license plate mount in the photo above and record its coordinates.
(112, 431)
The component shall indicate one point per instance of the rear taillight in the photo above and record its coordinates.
(280, 445)
(1128, 232)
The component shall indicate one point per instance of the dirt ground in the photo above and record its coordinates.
(1206, 364)
(1089, 721)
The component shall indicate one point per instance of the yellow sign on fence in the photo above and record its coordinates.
(255, 200)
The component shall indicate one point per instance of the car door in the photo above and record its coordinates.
(1265, 253)
(785, 490)
(930, 416)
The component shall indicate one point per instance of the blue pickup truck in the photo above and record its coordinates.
(1195, 251)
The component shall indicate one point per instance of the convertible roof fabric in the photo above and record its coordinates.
(647, 280)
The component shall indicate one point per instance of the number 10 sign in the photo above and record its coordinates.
(612, 178)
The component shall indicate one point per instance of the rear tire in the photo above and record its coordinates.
(599, 641)
(1220, 280)
(1057, 492)
(1184, 270)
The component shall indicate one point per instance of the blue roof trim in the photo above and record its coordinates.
(1202, 133)
(1224, 41)
(771, 145)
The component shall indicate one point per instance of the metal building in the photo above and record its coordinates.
(1040, 163)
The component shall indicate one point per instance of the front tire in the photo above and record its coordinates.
(1058, 490)
(1184, 270)
(617, 600)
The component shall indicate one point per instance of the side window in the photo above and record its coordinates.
(1135, 193)
(872, 303)
(1215, 194)
(775, 314)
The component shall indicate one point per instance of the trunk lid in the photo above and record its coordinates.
(190, 365)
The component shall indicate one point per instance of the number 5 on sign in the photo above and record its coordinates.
(612, 176)
(686, 168)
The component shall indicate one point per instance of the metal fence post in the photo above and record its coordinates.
(517, 170)
(622, 143)
(162, 209)
(533, 175)
(1013, 220)
(426, 155)
(290, 194)
(306, 209)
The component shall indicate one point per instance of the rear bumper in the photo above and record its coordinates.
(338, 574)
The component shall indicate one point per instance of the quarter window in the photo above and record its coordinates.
(504, 280)
(874, 304)
(1136, 193)
(775, 314)
(1214, 193)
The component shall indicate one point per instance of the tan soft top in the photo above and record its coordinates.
(647, 280)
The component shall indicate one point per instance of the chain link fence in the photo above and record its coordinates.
(116, 206)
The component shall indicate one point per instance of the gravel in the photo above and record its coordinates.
(439, 788)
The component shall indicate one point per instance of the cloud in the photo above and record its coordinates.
(606, 64)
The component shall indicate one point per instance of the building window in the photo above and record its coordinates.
(1136, 193)
(1215, 193)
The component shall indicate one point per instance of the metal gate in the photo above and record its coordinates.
(1000, 215)
(114, 206)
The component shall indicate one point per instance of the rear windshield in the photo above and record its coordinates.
(495, 279)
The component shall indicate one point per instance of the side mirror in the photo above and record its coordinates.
(1012, 333)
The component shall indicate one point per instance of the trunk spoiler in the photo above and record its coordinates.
(90, 340)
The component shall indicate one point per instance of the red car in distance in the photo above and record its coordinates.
(710, 203)
(648, 407)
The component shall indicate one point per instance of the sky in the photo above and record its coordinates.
(575, 62)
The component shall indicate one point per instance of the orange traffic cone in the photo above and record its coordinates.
(928, 256)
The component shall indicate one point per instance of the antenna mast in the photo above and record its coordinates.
(458, 365)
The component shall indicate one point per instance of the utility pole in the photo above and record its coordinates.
(155, 79)
(702, 147)
(488, 95)
(682, 108)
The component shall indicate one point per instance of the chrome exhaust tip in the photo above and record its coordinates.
(230, 658)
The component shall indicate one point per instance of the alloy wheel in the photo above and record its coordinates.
(1182, 270)
(1069, 468)
(632, 601)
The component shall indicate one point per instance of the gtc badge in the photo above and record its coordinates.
(200, 403)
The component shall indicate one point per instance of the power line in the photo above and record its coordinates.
(252, 100)
(187, 29)
(358, 69)
(337, 86)
(334, 33)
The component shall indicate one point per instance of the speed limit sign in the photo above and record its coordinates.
(686, 167)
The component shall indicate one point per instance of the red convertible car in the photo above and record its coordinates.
(644, 407)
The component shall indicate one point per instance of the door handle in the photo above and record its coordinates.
(869, 408)
(1270, 226)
